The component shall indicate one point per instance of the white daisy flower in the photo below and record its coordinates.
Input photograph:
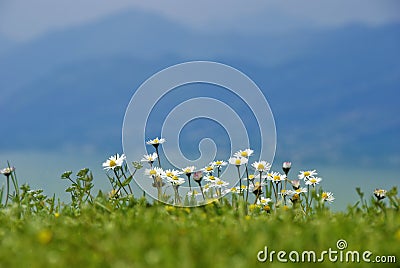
(149, 157)
(245, 153)
(307, 174)
(380, 193)
(154, 172)
(175, 180)
(208, 169)
(276, 177)
(284, 192)
(264, 201)
(256, 186)
(7, 171)
(218, 163)
(188, 170)
(313, 181)
(114, 161)
(251, 177)
(238, 161)
(262, 166)
(211, 179)
(193, 193)
(207, 187)
(327, 196)
(234, 190)
(156, 141)
(220, 183)
(297, 191)
(169, 173)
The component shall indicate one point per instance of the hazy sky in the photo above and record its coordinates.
(21, 20)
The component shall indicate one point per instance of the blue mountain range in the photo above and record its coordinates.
(334, 93)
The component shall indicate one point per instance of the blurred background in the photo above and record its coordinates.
(329, 70)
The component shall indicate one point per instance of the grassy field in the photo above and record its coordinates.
(275, 227)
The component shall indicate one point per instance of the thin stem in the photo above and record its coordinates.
(120, 183)
(8, 188)
(158, 157)
(240, 182)
(201, 189)
(129, 186)
(247, 190)
(190, 186)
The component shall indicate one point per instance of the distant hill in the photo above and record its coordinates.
(334, 93)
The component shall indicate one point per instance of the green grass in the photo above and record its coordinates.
(139, 235)
(104, 231)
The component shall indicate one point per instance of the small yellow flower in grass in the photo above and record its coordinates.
(247, 217)
(267, 209)
(253, 207)
(238, 161)
(114, 161)
(56, 215)
(397, 235)
(285, 208)
(244, 153)
(44, 236)
(170, 208)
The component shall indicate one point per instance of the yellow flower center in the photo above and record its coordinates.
(187, 170)
(237, 162)
(209, 168)
(234, 189)
(277, 178)
(306, 174)
(324, 195)
(169, 174)
(211, 178)
(260, 166)
(153, 172)
(220, 182)
(313, 180)
(112, 163)
(298, 190)
(175, 178)
(251, 176)
(263, 201)
(244, 154)
(156, 141)
(218, 163)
